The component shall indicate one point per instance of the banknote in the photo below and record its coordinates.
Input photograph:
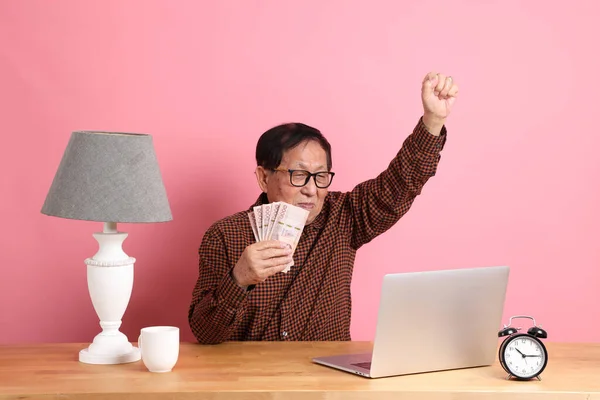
(266, 217)
(278, 221)
(258, 220)
(253, 225)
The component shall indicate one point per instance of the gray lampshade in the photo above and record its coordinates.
(108, 177)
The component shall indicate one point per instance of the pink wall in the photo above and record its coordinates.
(518, 183)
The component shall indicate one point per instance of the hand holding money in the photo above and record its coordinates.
(278, 221)
(261, 260)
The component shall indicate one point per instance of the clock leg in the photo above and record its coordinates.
(539, 379)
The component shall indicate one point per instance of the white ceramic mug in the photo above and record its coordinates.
(159, 346)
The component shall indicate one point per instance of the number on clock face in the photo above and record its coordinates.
(524, 357)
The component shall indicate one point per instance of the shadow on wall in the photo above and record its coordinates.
(167, 264)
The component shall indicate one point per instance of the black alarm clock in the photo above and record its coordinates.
(523, 355)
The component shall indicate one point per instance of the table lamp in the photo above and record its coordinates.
(109, 177)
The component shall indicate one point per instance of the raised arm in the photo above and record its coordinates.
(377, 204)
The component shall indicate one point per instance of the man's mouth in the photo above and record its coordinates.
(307, 206)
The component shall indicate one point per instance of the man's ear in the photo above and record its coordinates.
(261, 178)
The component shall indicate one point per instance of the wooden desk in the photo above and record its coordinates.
(279, 371)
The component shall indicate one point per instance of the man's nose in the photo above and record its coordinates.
(310, 189)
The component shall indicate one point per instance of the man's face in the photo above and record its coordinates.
(308, 156)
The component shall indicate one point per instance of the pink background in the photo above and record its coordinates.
(517, 185)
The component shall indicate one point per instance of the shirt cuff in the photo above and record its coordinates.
(427, 142)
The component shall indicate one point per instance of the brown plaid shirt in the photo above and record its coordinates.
(312, 301)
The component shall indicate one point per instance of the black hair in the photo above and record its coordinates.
(277, 140)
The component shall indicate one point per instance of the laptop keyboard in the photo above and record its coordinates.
(365, 365)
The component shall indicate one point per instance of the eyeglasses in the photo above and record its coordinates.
(299, 177)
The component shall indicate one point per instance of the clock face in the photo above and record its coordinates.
(524, 356)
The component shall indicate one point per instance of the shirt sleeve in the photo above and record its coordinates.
(377, 204)
(217, 300)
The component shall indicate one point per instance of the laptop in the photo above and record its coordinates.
(432, 321)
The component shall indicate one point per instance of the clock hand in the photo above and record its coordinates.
(520, 352)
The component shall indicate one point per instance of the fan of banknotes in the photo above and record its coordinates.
(278, 221)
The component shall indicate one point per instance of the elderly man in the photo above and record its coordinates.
(241, 292)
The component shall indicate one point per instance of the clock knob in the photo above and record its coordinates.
(507, 331)
(537, 332)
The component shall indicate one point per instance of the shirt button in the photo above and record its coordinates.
(284, 334)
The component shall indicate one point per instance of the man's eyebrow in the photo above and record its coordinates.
(319, 168)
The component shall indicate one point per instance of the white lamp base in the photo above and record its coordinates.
(86, 356)
(110, 282)
(110, 347)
